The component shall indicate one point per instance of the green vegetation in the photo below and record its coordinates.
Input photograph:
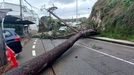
(117, 18)
(49, 28)
(55, 34)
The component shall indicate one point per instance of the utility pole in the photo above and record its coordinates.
(53, 8)
(21, 18)
(75, 30)
(21, 10)
(76, 11)
(3, 4)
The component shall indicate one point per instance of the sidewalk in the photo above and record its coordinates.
(123, 42)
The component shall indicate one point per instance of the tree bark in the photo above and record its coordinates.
(34, 66)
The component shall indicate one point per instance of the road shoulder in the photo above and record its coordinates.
(123, 42)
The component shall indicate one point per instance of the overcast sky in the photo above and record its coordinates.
(66, 8)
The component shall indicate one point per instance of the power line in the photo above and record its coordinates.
(31, 5)
(28, 3)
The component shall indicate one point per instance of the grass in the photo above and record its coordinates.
(117, 18)
(117, 36)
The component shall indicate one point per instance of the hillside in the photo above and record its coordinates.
(115, 18)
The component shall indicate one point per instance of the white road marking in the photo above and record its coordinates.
(34, 43)
(33, 47)
(36, 40)
(33, 52)
(84, 45)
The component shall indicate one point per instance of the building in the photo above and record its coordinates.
(27, 14)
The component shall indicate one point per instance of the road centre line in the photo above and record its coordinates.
(36, 40)
(34, 43)
(84, 45)
(33, 52)
(33, 47)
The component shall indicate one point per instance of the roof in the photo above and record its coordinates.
(9, 19)
(24, 22)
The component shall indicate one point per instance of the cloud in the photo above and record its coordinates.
(64, 1)
(67, 1)
(11, 1)
(69, 10)
(66, 8)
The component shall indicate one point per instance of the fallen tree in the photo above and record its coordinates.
(35, 65)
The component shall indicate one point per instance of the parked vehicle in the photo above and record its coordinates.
(13, 40)
(7, 55)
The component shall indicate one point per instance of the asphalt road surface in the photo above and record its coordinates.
(86, 57)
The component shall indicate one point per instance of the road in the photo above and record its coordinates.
(86, 57)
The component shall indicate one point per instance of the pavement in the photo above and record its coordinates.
(86, 57)
(25, 41)
(124, 42)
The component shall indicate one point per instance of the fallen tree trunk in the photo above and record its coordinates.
(34, 66)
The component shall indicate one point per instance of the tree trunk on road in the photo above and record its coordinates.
(34, 66)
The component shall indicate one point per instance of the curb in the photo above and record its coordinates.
(123, 42)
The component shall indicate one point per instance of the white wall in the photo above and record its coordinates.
(27, 13)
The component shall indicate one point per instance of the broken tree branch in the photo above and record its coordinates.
(63, 21)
